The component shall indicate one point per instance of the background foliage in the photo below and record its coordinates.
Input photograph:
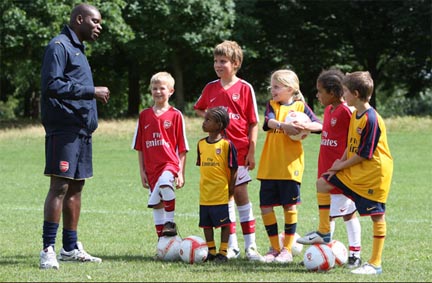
(391, 39)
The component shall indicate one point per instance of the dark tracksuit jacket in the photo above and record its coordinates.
(67, 100)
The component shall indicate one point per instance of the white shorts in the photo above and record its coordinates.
(340, 205)
(242, 176)
(155, 196)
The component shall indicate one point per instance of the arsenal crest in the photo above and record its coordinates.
(64, 166)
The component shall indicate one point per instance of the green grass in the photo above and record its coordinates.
(116, 225)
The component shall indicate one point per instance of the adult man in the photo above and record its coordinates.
(69, 116)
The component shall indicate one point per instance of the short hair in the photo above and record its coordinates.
(331, 81)
(163, 77)
(81, 9)
(290, 79)
(220, 115)
(360, 81)
(230, 49)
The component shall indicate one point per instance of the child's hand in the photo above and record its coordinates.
(179, 181)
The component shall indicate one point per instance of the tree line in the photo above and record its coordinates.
(391, 39)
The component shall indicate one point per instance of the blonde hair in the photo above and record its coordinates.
(162, 77)
(290, 79)
(230, 49)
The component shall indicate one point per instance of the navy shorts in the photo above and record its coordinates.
(364, 206)
(279, 192)
(68, 156)
(214, 216)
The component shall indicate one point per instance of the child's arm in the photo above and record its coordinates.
(340, 164)
(232, 181)
(180, 180)
(253, 137)
(200, 113)
(144, 179)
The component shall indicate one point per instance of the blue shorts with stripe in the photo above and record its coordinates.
(214, 216)
(364, 206)
(68, 155)
(279, 192)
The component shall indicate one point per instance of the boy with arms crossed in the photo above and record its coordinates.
(364, 172)
(238, 97)
(160, 140)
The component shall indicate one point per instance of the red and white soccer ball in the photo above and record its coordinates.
(296, 248)
(319, 257)
(193, 249)
(340, 252)
(300, 117)
(168, 248)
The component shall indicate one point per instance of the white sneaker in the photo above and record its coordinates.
(233, 253)
(78, 254)
(367, 269)
(284, 256)
(48, 259)
(314, 238)
(253, 255)
(270, 255)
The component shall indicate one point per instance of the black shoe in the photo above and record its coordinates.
(169, 229)
(353, 262)
(210, 257)
(220, 258)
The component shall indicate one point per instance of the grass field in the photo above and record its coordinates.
(116, 225)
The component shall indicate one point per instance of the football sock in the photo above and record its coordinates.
(159, 220)
(324, 212)
(69, 239)
(354, 236)
(247, 222)
(49, 233)
(270, 224)
(232, 242)
(211, 247)
(290, 228)
(379, 233)
(223, 248)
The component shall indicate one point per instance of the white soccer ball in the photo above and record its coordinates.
(193, 249)
(340, 252)
(300, 117)
(319, 257)
(168, 248)
(296, 248)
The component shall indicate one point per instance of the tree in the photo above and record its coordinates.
(172, 34)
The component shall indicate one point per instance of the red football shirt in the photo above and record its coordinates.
(241, 105)
(161, 139)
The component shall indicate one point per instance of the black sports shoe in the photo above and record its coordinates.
(353, 262)
(210, 257)
(220, 258)
(169, 229)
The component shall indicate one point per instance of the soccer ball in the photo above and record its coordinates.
(168, 248)
(296, 247)
(193, 249)
(319, 257)
(300, 117)
(340, 252)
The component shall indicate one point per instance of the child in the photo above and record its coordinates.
(282, 162)
(160, 140)
(334, 135)
(238, 97)
(364, 172)
(217, 158)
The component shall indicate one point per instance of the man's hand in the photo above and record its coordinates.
(102, 94)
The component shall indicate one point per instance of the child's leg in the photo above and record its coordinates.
(232, 242)
(168, 197)
(353, 228)
(270, 223)
(290, 216)
(225, 233)
(209, 236)
(159, 218)
(379, 234)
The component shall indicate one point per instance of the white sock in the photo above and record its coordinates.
(354, 234)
